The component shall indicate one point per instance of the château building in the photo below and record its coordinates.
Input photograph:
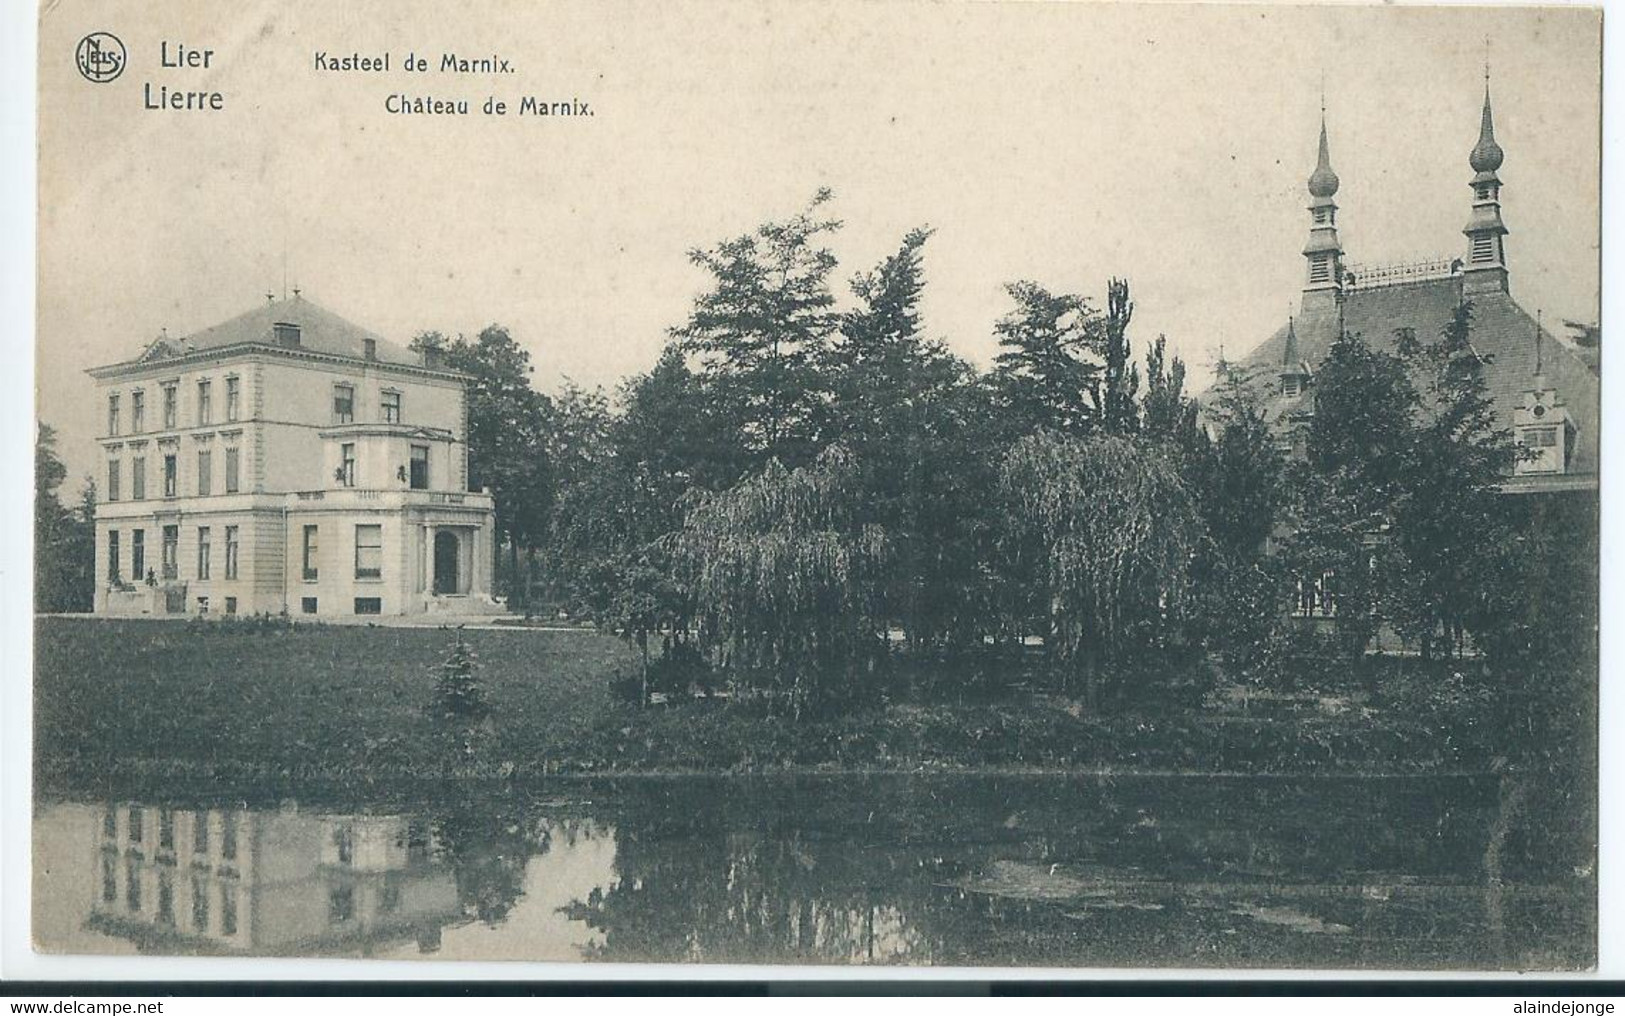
(288, 460)
(1544, 389)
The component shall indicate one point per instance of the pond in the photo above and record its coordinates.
(1009, 870)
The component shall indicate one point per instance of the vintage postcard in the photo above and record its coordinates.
(1064, 485)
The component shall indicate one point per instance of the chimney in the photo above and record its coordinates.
(431, 356)
(369, 349)
(287, 334)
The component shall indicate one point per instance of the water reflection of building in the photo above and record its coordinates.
(237, 881)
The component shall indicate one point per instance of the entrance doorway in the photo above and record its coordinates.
(447, 572)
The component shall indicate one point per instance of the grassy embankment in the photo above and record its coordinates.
(234, 702)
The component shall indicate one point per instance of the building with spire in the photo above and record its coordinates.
(1546, 389)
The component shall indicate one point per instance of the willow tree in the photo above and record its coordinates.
(785, 577)
(1113, 530)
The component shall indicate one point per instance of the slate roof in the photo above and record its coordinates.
(320, 330)
(1502, 332)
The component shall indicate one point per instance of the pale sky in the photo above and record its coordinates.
(1064, 143)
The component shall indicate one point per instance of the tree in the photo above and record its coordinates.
(508, 434)
(1167, 413)
(1119, 379)
(1116, 529)
(786, 579)
(64, 538)
(1451, 520)
(759, 331)
(1042, 376)
(1362, 431)
(1237, 481)
(913, 418)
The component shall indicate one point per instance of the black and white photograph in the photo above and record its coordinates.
(895, 485)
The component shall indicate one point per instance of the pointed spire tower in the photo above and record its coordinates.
(1294, 371)
(1485, 270)
(1324, 252)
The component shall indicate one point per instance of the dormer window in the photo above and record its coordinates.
(1545, 430)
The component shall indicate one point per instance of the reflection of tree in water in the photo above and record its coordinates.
(487, 843)
(698, 891)
(871, 873)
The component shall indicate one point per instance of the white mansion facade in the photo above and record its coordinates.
(287, 460)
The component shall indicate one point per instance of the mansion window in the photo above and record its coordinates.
(171, 400)
(205, 473)
(420, 467)
(231, 552)
(343, 404)
(346, 475)
(171, 475)
(233, 398)
(138, 477)
(138, 412)
(200, 833)
(137, 825)
(228, 836)
(392, 407)
(233, 470)
(171, 552)
(113, 480)
(132, 883)
(341, 904)
(166, 896)
(200, 902)
(1316, 597)
(369, 552)
(228, 910)
(202, 552)
(112, 416)
(312, 549)
(109, 877)
(205, 402)
(344, 844)
(112, 555)
(138, 554)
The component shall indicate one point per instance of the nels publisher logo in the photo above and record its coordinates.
(100, 57)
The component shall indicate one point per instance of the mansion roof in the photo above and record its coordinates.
(1502, 333)
(319, 331)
